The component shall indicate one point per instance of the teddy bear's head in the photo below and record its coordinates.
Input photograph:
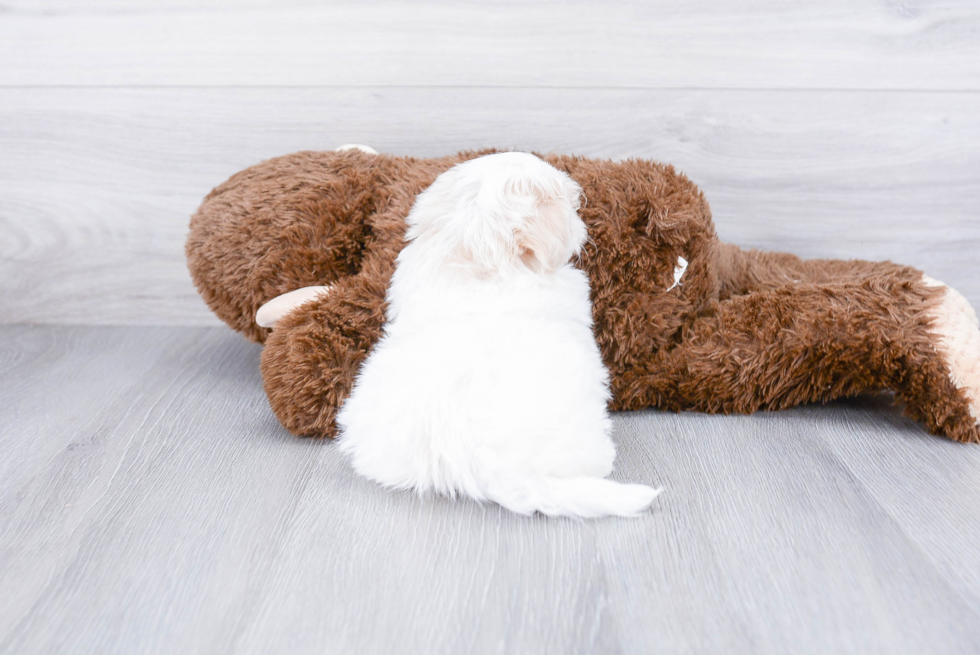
(305, 219)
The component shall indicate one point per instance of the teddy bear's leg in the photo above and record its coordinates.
(746, 271)
(804, 342)
(952, 323)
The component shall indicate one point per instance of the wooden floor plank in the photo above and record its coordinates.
(921, 482)
(150, 503)
(699, 44)
(96, 185)
(98, 440)
(779, 529)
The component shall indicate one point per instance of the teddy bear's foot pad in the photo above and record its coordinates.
(958, 341)
(356, 146)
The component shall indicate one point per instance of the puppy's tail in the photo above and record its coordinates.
(581, 496)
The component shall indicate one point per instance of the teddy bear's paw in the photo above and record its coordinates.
(958, 340)
(272, 311)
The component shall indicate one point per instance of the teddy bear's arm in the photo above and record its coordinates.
(313, 355)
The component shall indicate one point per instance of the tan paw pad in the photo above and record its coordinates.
(955, 323)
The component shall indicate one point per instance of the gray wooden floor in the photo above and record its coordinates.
(153, 505)
(149, 501)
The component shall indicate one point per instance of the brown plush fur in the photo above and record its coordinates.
(745, 331)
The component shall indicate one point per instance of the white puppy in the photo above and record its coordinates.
(488, 381)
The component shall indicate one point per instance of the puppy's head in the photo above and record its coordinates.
(498, 212)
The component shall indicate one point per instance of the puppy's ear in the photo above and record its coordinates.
(553, 233)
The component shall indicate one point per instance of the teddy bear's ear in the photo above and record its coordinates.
(272, 311)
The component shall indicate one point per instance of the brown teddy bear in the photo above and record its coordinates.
(684, 322)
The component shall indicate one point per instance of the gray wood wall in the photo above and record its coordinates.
(845, 128)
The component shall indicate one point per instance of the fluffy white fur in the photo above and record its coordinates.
(488, 382)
